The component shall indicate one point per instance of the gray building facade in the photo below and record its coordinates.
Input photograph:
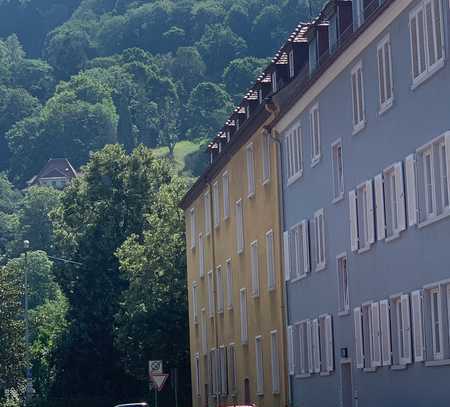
(366, 207)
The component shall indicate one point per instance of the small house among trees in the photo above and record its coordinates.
(57, 173)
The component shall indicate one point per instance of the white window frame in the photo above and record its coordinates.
(437, 319)
(250, 160)
(216, 204)
(270, 261)
(299, 249)
(193, 227)
(204, 331)
(239, 226)
(197, 374)
(319, 235)
(338, 171)
(201, 256)
(207, 210)
(358, 103)
(304, 344)
(243, 315)
(385, 71)
(259, 367)
(254, 267)
(223, 370)
(294, 153)
(220, 290)
(211, 302)
(314, 126)
(344, 292)
(226, 194)
(291, 64)
(428, 68)
(195, 302)
(232, 367)
(229, 279)
(393, 183)
(275, 362)
(274, 81)
(365, 207)
(443, 155)
(265, 151)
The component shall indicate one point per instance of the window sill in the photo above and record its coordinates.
(364, 250)
(370, 369)
(239, 252)
(230, 308)
(398, 367)
(434, 219)
(217, 226)
(294, 178)
(393, 237)
(299, 278)
(343, 313)
(266, 181)
(442, 362)
(271, 289)
(320, 267)
(427, 75)
(193, 248)
(359, 127)
(303, 376)
(255, 296)
(338, 198)
(324, 374)
(315, 161)
(251, 195)
(385, 107)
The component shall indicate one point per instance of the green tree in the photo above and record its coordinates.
(9, 221)
(188, 67)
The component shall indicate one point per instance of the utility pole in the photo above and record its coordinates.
(29, 389)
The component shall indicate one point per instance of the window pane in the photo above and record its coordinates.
(414, 39)
(430, 34)
(381, 70)
(360, 96)
(355, 100)
(438, 28)
(421, 41)
(388, 67)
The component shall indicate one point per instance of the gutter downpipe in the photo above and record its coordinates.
(274, 109)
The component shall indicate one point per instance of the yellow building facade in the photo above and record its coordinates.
(235, 279)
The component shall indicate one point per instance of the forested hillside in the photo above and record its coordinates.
(75, 76)
(114, 86)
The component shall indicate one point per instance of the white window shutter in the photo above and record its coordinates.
(447, 153)
(316, 345)
(411, 196)
(385, 333)
(305, 243)
(406, 319)
(353, 220)
(400, 196)
(290, 344)
(370, 213)
(376, 334)
(309, 346)
(287, 274)
(359, 355)
(313, 244)
(329, 343)
(379, 204)
(416, 305)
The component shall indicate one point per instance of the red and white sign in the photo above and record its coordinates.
(159, 379)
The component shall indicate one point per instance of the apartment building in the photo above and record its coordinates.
(364, 126)
(234, 267)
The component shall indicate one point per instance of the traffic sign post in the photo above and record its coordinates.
(159, 380)
(157, 377)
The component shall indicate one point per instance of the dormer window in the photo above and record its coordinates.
(260, 96)
(237, 123)
(211, 157)
(274, 81)
(291, 64)
(247, 111)
(228, 135)
(220, 146)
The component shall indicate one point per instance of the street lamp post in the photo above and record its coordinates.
(29, 389)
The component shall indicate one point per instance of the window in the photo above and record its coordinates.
(338, 170)
(220, 291)
(223, 372)
(216, 203)
(229, 277)
(319, 241)
(254, 264)
(204, 331)
(358, 98)
(239, 227)
(394, 198)
(304, 353)
(226, 194)
(197, 374)
(401, 329)
(195, 302)
(385, 87)
(232, 368)
(201, 256)
(214, 371)
(275, 362)
(290, 350)
(274, 82)
(342, 271)
(207, 208)
(265, 157)
(314, 123)
(244, 322)
(427, 40)
(291, 64)
(193, 228)
(250, 170)
(365, 213)
(271, 283)
(436, 322)
(259, 366)
(211, 308)
(294, 153)
(433, 186)
(299, 264)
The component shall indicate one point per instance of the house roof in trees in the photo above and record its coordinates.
(55, 168)
(250, 114)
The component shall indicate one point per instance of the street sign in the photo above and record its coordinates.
(155, 366)
(159, 379)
